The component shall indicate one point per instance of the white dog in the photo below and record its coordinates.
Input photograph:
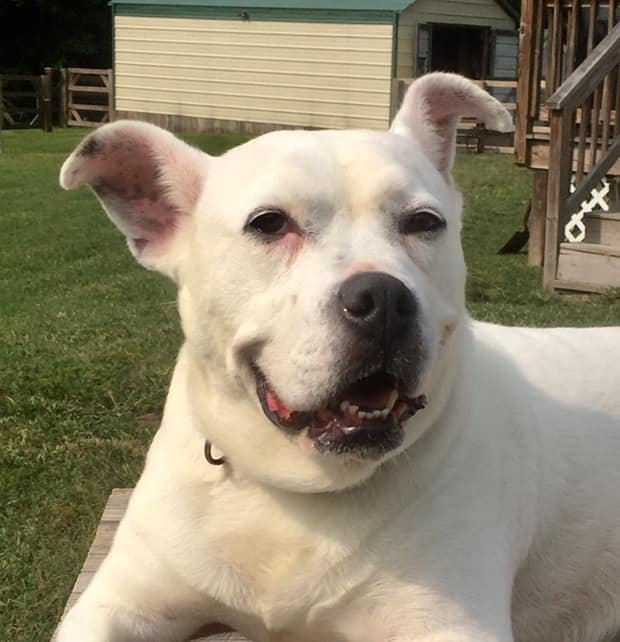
(379, 467)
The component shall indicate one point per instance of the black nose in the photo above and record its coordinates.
(377, 304)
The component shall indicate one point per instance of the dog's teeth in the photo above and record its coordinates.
(385, 413)
(353, 409)
(392, 399)
(344, 405)
(362, 415)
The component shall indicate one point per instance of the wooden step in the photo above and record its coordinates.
(112, 515)
(588, 267)
(602, 228)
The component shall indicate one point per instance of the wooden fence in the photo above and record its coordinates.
(26, 101)
(64, 97)
(90, 96)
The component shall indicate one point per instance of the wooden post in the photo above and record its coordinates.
(111, 109)
(394, 98)
(524, 89)
(561, 153)
(480, 133)
(537, 218)
(63, 111)
(49, 73)
(614, 193)
(45, 102)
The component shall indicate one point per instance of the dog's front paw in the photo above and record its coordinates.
(99, 624)
(96, 622)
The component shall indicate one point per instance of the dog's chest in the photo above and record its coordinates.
(291, 574)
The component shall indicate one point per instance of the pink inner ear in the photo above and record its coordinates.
(440, 107)
(125, 176)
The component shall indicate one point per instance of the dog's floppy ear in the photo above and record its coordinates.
(148, 182)
(431, 110)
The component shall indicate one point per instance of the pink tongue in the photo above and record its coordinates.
(275, 404)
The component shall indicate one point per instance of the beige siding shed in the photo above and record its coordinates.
(304, 74)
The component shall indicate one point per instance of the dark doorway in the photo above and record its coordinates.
(462, 50)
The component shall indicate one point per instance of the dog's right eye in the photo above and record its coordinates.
(270, 223)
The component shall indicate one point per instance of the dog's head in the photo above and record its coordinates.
(320, 274)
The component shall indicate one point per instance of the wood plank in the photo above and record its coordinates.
(571, 38)
(596, 264)
(112, 514)
(63, 97)
(559, 37)
(592, 248)
(578, 286)
(83, 123)
(611, 81)
(591, 22)
(537, 218)
(581, 144)
(611, 15)
(537, 84)
(89, 107)
(560, 150)
(595, 122)
(505, 84)
(90, 72)
(553, 36)
(524, 86)
(86, 89)
(602, 228)
(617, 105)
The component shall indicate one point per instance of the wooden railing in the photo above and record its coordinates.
(556, 36)
(584, 139)
(60, 96)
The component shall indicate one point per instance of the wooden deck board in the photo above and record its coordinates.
(112, 514)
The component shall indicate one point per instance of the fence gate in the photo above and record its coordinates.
(90, 97)
(21, 100)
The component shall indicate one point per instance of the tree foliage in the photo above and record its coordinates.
(39, 33)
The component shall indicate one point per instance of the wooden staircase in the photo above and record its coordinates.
(594, 89)
(568, 132)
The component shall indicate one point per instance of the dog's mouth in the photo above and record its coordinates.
(366, 417)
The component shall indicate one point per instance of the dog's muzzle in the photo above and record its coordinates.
(364, 416)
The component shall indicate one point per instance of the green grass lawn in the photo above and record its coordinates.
(88, 341)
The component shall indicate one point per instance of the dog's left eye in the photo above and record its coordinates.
(270, 223)
(420, 222)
